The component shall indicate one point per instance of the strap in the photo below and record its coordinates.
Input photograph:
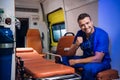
(6, 45)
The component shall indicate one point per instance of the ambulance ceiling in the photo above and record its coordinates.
(28, 4)
(29, 1)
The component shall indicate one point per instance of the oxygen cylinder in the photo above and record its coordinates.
(6, 51)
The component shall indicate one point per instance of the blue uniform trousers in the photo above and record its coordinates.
(90, 70)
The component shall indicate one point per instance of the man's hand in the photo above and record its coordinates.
(74, 47)
(79, 40)
(72, 61)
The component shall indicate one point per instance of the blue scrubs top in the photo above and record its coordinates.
(97, 42)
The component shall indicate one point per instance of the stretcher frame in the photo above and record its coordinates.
(25, 75)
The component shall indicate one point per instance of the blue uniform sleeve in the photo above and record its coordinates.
(75, 38)
(101, 42)
(79, 33)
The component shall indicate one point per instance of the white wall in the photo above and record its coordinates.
(51, 5)
(73, 12)
(30, 16)
(9, 11)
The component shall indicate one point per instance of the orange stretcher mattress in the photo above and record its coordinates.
(28, 54)
(38, 67)
(24, 50)
(48, 70)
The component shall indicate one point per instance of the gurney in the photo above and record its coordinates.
(36, 66)
(31, 61)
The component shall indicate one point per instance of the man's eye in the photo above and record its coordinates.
(82, 26)
(87, 23)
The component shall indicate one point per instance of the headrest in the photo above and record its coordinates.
(18, 50)
(33, 32)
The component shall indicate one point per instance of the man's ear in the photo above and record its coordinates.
(92, 23)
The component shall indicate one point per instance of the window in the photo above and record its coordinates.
(58, 31)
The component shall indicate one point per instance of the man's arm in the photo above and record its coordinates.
(97, 58)
(72, 50)
(75, 46)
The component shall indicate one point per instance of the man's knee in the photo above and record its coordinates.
(90, 69)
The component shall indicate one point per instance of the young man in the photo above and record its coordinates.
(95, 45)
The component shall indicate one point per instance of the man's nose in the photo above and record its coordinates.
(86, 26)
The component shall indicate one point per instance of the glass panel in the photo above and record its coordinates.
(58, 31)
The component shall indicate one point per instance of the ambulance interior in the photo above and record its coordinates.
(39, 32)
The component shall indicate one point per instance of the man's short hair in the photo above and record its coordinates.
(82, 16)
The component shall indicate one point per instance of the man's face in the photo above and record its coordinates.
(86, 25)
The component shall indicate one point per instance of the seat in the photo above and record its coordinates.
(33, 40)
(109, 74)
(63, 46)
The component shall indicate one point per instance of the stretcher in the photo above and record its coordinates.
(37, 67)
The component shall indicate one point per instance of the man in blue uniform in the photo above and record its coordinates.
(95, 45)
